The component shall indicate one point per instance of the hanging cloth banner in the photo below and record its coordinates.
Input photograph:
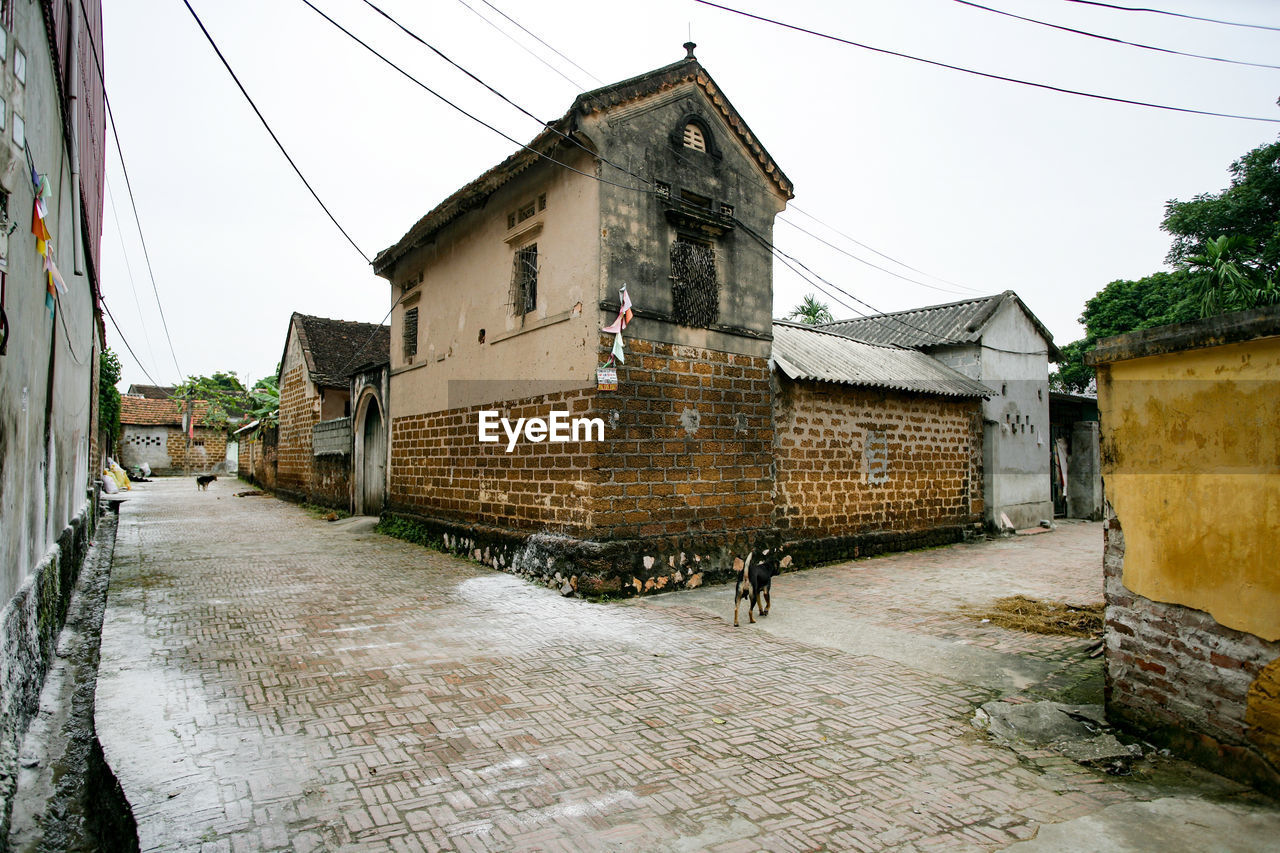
(615, 328)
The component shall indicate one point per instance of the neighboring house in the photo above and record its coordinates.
(876, 447)
(998, 341)
(51, 337)
(158, 433)
(499, 295)
(1075, 460)
(1191, 459)
(313, 450)
(152, 392)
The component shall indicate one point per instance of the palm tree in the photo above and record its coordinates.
(811, 312)
(1224, 281)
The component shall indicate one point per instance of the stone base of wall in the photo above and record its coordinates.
(616, 567)
(1180, 680)
(29, 628)
(331, 482)
(831, 549)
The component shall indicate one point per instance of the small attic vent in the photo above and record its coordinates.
(693, 137)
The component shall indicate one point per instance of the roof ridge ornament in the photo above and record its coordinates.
(688, 50)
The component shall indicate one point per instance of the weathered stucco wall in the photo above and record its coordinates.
(149, 444)
(1191, 458)
(466, 290)
(858, 460)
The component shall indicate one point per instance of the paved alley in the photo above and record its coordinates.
(272, 681)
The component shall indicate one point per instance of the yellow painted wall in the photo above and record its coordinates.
(1191, 462)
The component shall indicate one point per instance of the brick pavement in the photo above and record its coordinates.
(273, 682)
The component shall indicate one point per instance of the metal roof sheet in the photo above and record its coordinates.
(803, 352)
(933, 325)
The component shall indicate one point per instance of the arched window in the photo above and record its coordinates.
(693, 137)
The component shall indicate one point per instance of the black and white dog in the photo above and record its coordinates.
(752, 585)
(203, 481)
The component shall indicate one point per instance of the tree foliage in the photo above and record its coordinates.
(109, 395)
(265, 399)
(811, 312)
(1225, 253)
(225, 393)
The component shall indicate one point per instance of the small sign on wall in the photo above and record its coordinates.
(606, 379)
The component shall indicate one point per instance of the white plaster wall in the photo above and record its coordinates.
(147, 444)
(1015, 364)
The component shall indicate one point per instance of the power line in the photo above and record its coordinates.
(125, 341)
(469, 115)
(578, 86)
(866, 262)
(985, 74)
(115, 134)
(124, 253)
(543, 43)
(878, 252)
(546, 124)
(1113, 39)
(274, 138)
(1174, 15)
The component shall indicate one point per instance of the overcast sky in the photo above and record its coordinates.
(975, 182)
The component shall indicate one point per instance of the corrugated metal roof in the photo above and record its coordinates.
(952, 323)
(803, 352)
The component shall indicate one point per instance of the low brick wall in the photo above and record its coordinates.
(1179, 679)
(861, 471)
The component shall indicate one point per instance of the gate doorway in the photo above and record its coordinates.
(371, 459)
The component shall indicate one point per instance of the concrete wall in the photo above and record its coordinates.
(149, 444)
(1084, 472)
(857, 460)
(1191, 459)
(47, 396)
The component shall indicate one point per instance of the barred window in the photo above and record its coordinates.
(411, 332)
(693, 137)
(695, 292)
(524, 280)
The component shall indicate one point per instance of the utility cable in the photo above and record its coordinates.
(1174, 15)
(543, 43)
(986, 74)
(578, 86)
(471, 116)
(274, 138)
(125, 341)
(546, 124)
(129, 186)
(124, 253)
(1113, 39)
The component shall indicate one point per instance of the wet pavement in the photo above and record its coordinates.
(271, 681)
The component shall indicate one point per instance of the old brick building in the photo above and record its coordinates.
(153, 431)
(312, 452)
(998, 341)
(876, 447)
(500, 293)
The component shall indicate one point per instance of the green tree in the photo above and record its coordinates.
(1124, 306)
(109, 397)
(265, 400)
(1223, 278)
(1249, 207)
(224, 392)
(811, 312)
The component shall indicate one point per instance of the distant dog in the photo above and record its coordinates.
(753, 584)
(203, 481)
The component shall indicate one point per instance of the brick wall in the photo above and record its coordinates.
(293, 451)
(853, 461)
(1184, 681)
(681, 485)
(208, 449)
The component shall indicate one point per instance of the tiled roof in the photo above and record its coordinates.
(950, 323)
(151, 392)
(476, 193)
(140, 411)
(335, 349)
(804, 352)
